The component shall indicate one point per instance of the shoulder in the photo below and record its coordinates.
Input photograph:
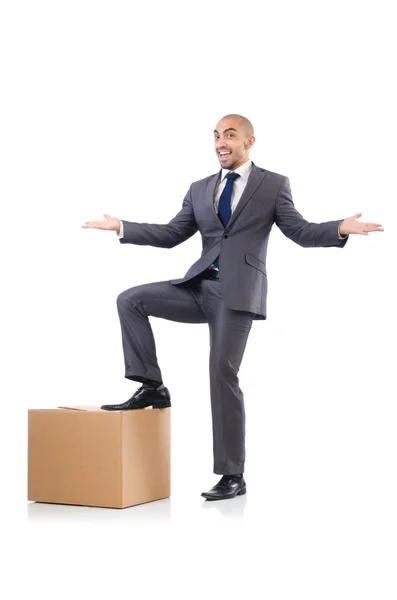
(201, 185)
(206, 180)
(277, 178)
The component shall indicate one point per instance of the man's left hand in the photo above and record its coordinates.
(352, 225)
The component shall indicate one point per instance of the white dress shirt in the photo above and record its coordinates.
(237, 191)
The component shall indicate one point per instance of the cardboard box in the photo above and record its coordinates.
(92, 457)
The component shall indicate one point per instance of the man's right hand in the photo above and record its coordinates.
(111, 224)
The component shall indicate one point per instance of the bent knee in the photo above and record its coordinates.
(127, 299)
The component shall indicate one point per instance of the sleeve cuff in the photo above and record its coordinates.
(341, 237)
(121, 232)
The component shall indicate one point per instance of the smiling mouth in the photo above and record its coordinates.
(224, 155)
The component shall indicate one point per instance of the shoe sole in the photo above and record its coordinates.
(240, 493)
(155, 405)
(164, 404)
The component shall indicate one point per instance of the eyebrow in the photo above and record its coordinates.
(228, 129)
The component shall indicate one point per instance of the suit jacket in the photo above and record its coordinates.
(242, 245)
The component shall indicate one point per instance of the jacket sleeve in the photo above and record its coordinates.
(179, 229)
(300, 231)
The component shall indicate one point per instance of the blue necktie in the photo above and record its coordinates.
(224, 208)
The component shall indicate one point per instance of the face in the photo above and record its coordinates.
(232, 144)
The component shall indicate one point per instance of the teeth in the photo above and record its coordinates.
(224, 152)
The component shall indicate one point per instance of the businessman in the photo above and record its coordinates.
(234, 211)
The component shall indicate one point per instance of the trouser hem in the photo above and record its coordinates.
(222, 469)
(148, 377)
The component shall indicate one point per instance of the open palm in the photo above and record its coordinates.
(110, 224)
(351, 225)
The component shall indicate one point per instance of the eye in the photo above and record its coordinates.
(230, 134)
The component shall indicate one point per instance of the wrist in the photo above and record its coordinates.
(341, 231)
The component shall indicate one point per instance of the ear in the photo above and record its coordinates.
(250, 142)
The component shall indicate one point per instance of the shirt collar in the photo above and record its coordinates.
(243, 170)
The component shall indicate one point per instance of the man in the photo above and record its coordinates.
(234, 210)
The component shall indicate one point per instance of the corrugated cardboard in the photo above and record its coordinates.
(92, 457)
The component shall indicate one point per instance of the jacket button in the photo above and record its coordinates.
(225, 236)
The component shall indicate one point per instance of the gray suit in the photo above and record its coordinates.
(228, 304)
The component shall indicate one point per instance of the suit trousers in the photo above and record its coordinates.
(196, 301)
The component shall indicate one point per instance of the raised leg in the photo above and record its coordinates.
(160, 299)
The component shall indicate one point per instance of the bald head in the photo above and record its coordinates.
(244, 123)
(233, 136)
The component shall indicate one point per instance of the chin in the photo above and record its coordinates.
(226, 165)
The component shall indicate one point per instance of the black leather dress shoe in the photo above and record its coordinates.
(144, 397)
(228, 487)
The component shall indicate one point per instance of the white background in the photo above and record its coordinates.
(110, 107)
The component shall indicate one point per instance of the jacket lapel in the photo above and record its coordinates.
(255, 178)
(210, 193)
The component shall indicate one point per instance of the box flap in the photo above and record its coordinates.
(87, 408)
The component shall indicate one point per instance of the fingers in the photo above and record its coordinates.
(367, 228)
(94, 225)
(357, 216)
(373, 226)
